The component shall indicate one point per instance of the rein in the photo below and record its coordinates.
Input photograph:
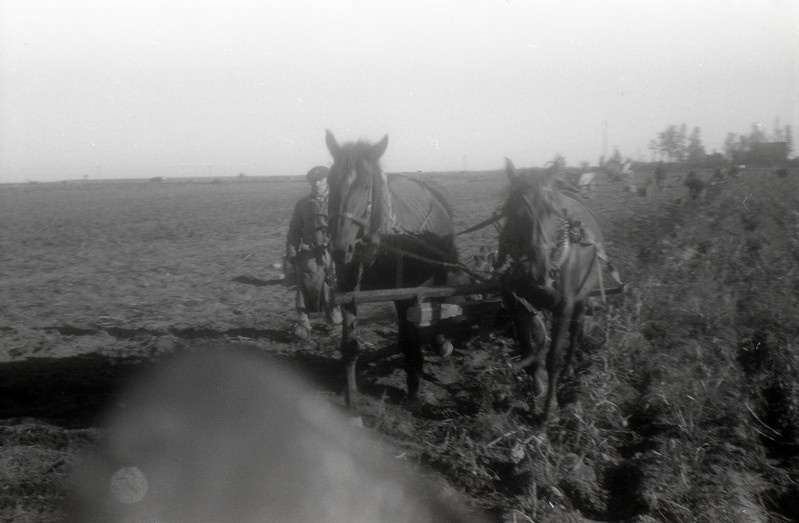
(485, 223)
(364, 223)
(459, 265)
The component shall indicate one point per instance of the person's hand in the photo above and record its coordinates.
(290, 271)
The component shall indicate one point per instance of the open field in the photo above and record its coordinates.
(685, 405)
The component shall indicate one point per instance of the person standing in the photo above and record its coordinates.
(307, 257)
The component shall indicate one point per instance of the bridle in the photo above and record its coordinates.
(364, 221)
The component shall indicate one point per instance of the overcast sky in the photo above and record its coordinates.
(143, 88)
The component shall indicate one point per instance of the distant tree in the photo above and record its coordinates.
(756, 135)
(730, 145)
(653, 147)
(778, 135)
(682, 149)
(695, 151)
(789, 139)
(668, 142)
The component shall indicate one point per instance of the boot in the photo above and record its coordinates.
(334, 316)
(302, 329)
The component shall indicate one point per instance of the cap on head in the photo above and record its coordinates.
(317, 173)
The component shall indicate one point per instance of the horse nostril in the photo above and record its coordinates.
(350, 249)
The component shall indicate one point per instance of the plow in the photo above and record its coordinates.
(437, 303)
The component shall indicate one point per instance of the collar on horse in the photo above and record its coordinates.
(570, 234)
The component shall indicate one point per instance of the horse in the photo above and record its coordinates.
(549, 251)
(386, 231)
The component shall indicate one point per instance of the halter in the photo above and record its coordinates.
(365, 221)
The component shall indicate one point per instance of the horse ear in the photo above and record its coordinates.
(379, 149)
(510, 170)
(332, 144)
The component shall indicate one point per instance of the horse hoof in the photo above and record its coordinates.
(413, 403)
(538, 389)
(445, 349)
(302, 332)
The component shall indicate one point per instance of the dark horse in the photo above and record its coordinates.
(551, 247)
(386, 232)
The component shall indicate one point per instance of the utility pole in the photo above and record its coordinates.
(604, 140)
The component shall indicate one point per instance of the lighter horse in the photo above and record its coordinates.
(550, 248)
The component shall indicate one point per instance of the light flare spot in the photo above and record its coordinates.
(128, 485)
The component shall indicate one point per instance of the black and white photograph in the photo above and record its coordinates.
(423, 261)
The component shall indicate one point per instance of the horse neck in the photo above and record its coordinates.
(382, 218)
(546, 229)
(543, 238)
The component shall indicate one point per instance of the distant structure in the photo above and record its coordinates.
(762, 154)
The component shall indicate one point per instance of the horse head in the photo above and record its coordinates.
(358, 201)
(529, 209)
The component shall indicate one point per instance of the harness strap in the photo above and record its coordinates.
(563, 247)
(600, 252)
(601, 281)
(576, 233)
(459, 265)
(485, 223)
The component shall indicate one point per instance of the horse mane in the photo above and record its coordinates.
(537, 187)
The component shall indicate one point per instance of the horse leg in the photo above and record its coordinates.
(350, 349)
(442, 344)
(560, 327)
(350, 346)
(411, 349)
(531, 334)
(575, 334)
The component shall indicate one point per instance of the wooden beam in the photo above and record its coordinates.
(408, 293)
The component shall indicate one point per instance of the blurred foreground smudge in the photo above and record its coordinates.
(230, 436)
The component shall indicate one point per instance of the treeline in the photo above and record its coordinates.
(677, 144)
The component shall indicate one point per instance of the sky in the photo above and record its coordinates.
(141, 88)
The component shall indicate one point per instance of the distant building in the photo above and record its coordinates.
(762, 154)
